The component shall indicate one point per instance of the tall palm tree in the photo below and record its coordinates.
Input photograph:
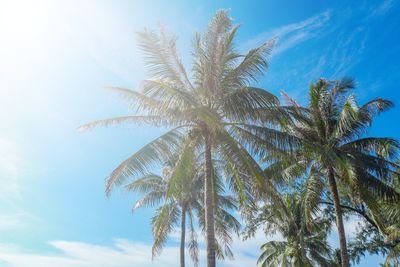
(214, 107)
(328, 133)
(379, 232)
(304, 242)
(154, 188)
(185, 202)
(226, 225)
(388, 221)
(393, 235)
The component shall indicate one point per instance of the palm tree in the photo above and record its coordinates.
(226, 224)
(388, 221)
(328, 133)
(304, 242)
(393, 230)
(154, 189)
(185, 202)
(379, 232)
(213, 107)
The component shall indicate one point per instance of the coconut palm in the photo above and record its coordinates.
(304, 242)
(213, 106)
(369, 239)
(393, 257)
(378, 231)
(153, 189)
(185, 204)
(329, 142)
(226, 225)
(388, 221)
(379, 234)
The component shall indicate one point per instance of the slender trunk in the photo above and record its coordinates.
(339, 218)
(209, 206)
(183, 233)
(303, 249)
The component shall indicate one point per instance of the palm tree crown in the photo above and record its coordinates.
(304, 242)
(328, 143)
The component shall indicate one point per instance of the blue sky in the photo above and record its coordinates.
(55, 58)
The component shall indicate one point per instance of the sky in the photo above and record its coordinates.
(56, 57)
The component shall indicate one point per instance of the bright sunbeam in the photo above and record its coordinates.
(23, 27)
(32, 43)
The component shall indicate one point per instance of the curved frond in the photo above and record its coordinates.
(163, 223)
(137, 120)
(158, 151)
(161, 57)
(253, 65)
(193, 244)
(247, 103)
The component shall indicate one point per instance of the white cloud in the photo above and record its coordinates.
(350, 226)
(12, 217)
(292, 34)
(9, 160)
(383, 8)
(9, 169)
(15, 220)
(123, 253)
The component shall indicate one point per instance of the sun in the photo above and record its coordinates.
(23, 23)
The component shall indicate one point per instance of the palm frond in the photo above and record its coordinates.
(247, 103)
(161, 58)
(253, 65)
(158, 151)
(137, 120)
(163, 224)
(193, 244)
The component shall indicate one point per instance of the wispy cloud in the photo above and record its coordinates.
(339, 40)
(10, 162)
(292, 34)
(383, 7)
(12, 216)
(351, 225)
(122, 253)
(9, 158)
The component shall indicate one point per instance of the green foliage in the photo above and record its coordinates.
(302, 245)
(216, 103)
(180, 190)
(327, 138)
(216, 114)
(382, 236)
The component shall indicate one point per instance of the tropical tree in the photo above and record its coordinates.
(376, 231)
(215, 107)
(185, 204)
(153, 189)
(380, 233)
(391, 216)
(329, 142)
(393, 236)
(304, 241)
(368, 239)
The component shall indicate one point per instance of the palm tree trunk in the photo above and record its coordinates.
(339, 218)
(183, 233)
(209, 207)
